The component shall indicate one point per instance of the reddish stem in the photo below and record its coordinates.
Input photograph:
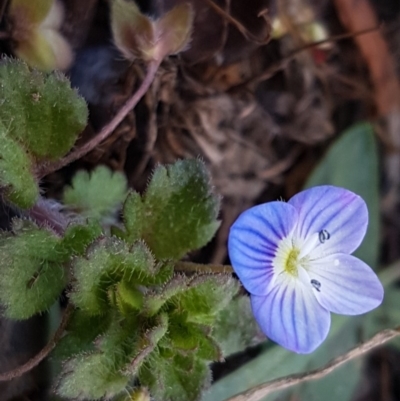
(108, 129)
(12, 374)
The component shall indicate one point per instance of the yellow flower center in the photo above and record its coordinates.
(292, 262)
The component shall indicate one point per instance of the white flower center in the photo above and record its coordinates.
(289, 257)
(294, 255)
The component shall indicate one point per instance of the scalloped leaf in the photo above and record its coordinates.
(91, 377)
(205, 297)
(17, 181)
(32, 272)
(178, 212)
(81, 332)
(96, 194)
(235, 328)
(108, 261)
(41, 111)
(178, 378)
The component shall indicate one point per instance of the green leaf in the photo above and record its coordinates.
(107, 262)
(32, 273)
(96, 194)
(41, 111)
(206, 296)
(82, 330)
(16, 178)
(78, 237)
(235, 328)
(275, 362)
(146, 345)
(352, 163)
(91, 377)
(177, 213)
(100, 374)
(179, 378)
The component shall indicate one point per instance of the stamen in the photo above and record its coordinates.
(323, 236)
(292, 262)
(316, 284)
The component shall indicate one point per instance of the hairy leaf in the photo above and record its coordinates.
(91, 377)
(179, 378)
(107, 262)
(41, 111)
(235, 328)
(177, 213)
(32, 273)
(96, 194)
(16, 178)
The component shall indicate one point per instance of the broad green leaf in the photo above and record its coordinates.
(235, 328)
(178, 212)
(78, 237)
(96, 194)
(91, 377)
(276, 362)
(178, 378)
(17, 181)
(206, 296)
(352, 163)
(99, 373)
(107, 262)
(32, 272)
(41, 111)
(81, 332)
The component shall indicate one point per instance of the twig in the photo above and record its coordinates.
(259, 392)
(241, 28)
(12, 374)
(199, 268)
(107, 130)
(283, 63)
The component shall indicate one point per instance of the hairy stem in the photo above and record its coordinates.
(108, 129)
(259, 392)
(47, 216)
(12, 374)
(199, 268)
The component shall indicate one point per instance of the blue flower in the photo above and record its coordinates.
(294, 259)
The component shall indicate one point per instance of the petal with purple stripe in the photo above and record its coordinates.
(291, 316)
(253, 241)
(346, 285)
(338, 218)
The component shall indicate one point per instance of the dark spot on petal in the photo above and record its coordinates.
(316, 284)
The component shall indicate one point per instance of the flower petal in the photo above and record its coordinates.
(291, 316)
(347, 285)
(337, 216)
(253, 241)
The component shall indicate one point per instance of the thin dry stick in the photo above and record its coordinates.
(12, 374)
(282, 64)
(241, 28)
(107, 130)
(261, 391)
